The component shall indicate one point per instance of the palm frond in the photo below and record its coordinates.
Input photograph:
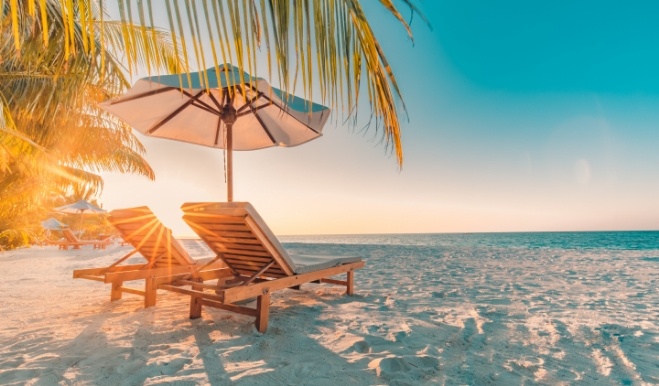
(328, 46)
(53, 138)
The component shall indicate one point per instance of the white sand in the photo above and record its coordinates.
(434, 318)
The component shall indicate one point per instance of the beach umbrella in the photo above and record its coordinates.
(221, 108)
(52, 224)
(81, 207)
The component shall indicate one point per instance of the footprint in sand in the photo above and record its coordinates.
(399, 336)
(405, 368)
(130, 367)
(362, 347)
(174, 366)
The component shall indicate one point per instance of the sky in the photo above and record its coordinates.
(521, 116)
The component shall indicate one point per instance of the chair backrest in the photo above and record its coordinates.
(70, 236)
(240, 237)
(142, 229)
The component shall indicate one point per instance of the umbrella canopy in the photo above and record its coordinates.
(222, 108)
(53, 224)
(81, 206)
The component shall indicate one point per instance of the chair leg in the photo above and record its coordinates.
(115, 293)
(350, 287)
(262, 312)
(195, 305)
(149, 292)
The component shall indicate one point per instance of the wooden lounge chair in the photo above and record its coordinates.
(166, 259)
(257, 263)
(71, 240)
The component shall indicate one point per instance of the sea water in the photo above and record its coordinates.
(631, 240)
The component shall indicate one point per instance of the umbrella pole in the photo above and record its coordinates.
(229, 118)
(229, 162)
(81, 213)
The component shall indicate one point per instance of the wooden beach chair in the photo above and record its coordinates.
(166, 259)
(257, 263)
(71, 240)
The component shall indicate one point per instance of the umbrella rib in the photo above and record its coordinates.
(258, 118)
(292, 116)
(253, 110)
(175, 113)
(248, 104)
(264, 128)
(217, 104)
(205, 105)
(144, 95)
(227, 98)
(206, 108)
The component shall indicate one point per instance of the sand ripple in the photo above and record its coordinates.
(421, 315)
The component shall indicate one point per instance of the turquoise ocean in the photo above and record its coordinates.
(614, 240)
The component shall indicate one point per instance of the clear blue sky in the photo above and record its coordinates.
(522, 117)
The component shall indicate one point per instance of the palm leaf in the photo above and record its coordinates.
(53, 138)
(326, 45)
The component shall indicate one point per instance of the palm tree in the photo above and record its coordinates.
(326, 45)
(53, 138)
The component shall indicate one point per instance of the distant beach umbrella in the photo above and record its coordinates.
(53, 224)
(81, 207)
(222, 108)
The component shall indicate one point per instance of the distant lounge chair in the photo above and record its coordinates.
(257, 263)
(166, 259)
(70, 240)
(48, 241)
